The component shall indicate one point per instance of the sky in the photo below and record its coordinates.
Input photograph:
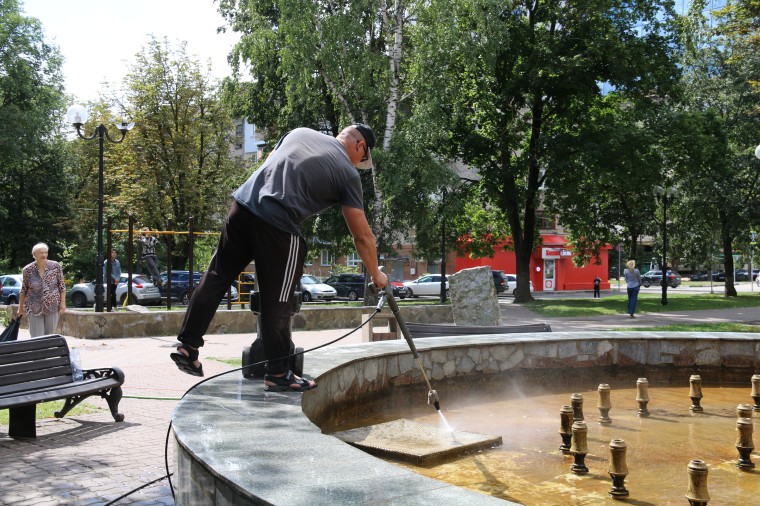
(98, 39)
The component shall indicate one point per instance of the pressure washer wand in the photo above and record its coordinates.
(432, 394)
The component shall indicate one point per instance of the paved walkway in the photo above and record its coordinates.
(89, 459)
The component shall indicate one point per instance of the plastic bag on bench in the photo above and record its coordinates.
(76, 365)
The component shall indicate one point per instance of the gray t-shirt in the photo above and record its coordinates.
(308, 172)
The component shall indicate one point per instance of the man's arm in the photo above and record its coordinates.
(364, 241)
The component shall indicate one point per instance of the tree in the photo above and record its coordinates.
(612, 164)
(33, 157)
(181, 164)
(720, 65)
(500, 84)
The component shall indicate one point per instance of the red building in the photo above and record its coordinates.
(551, 266)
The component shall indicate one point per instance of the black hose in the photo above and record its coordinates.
(169, 429)
(168, 432)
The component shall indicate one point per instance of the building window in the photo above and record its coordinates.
(353, 259)
(547, 222)
(326, 258)
(239, 136)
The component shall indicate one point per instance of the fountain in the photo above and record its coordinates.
(579, 447)
(576, 401)
(229, 431)
(566, 428)
(618, 469)
(697, 490)
(744, 443)
(695, 393)
(642, 396)
(604, 404)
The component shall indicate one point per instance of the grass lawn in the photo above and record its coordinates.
(700, 327)
(648, 303)
(46, 410)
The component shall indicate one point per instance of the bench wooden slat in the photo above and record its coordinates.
(32, 355)
(38, 343)
(433, 330)
(31, 381)
(46, 394)
(8, 372)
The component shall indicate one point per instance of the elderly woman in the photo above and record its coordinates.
(43, 292)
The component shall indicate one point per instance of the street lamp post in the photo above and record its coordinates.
(77, 116)
(666, 195)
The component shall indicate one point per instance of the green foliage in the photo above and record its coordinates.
(719, 174)
(175, 165)
(47, 410)
(504, 86)
(183, 166)
(33, 157)
(648, 303)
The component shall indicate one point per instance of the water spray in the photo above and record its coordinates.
(432, 397)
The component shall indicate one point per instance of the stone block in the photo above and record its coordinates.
(473, 297)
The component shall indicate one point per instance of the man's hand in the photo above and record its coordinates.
(380, 280)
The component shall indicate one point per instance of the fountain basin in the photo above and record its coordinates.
(237, 444)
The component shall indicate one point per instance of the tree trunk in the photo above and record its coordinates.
(728, 257)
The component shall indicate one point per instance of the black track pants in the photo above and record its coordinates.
(279, 260)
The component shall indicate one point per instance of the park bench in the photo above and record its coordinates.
(433, 330)
(39, 370)
(418, 330)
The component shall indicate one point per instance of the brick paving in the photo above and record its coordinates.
(90, 460)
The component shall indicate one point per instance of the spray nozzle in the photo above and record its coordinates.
(433, 399)
(381, 302)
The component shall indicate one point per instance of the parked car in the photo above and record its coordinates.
(743, 274)
(11, 284)
(499, 281)
(180, 285)
(426, 285)
(512, 283)
(314, 289)
(144, 292)
(654, 278)
(351, 286)
(699, 276)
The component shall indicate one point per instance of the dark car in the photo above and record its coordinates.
(699, 276)
(654, 278)
(719, 275)
(11, 284)
(743, 274)
(180, 285)
(351, 286)
(500, 281)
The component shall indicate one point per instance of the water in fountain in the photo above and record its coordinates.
(528, 468)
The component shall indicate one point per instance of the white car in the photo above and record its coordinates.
(314, 289)
(426, 285)
(144, 292)
(512, 283)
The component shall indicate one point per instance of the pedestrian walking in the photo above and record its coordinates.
(633, 283)
(597, 287)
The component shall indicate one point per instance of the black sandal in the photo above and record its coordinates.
(288, 382)
(185, 362)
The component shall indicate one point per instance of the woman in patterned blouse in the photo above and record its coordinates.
(43, 292)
